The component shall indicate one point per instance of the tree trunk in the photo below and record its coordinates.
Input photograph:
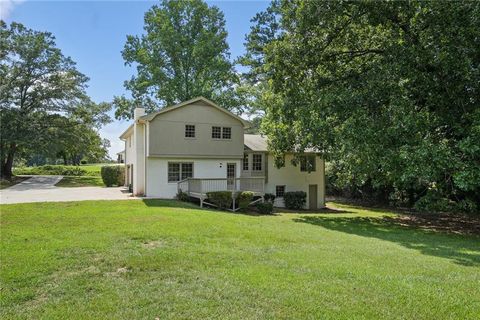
(8, 164)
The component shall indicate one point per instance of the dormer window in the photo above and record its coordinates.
(189, 131)
(226, 133)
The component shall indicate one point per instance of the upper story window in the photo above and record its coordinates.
(245, 162)
(216, 132)
(221, 132)
(226, 133)
(257, 162)
(189, 131)
(307, 163)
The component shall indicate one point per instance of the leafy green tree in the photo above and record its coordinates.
(36, 80)
(72, 140)
(182, 55)
(387, 91)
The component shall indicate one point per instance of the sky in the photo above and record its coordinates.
(93, 34)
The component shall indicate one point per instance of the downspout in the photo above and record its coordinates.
(125, 184)
(145, 146)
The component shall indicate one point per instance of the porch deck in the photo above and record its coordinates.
(199, 187)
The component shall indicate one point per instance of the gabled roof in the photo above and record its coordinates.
(151, 116)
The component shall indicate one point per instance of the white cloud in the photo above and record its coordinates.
(6, 7)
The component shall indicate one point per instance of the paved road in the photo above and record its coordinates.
(42, 189)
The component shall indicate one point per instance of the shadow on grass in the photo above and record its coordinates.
(464, 250)
(169, 203)
(325, 210)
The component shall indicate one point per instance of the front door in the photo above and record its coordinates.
(231, 175)
(312, 197)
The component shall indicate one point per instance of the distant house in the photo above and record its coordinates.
(197, 147)
(121, 157)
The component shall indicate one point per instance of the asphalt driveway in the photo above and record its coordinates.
(42, 189)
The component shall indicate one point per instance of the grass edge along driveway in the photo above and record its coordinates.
(165, 259)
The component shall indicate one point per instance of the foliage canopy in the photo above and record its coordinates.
(388, 91)
(183, 54)
(42, 96)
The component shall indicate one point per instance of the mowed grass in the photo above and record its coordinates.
(80, 181)
(92, 177)
(152, 259)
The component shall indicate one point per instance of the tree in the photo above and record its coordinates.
(184, 54)
(387, 91)
(36, 80)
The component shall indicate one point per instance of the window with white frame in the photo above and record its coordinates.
(279, 191)
(186, 170)
(226, 133)
(257, 162)
(245, 162)
(307, 163)
(179, 171)
(216, 132)
(189, 131)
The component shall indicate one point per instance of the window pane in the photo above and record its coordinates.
(189, 131)
(227, 133)
(279, 191)
(173, 172)
(257, 162)
(216, 132)
(307, 163)
(311, 163)
(187, 170)
(231, 170)
(245, 162)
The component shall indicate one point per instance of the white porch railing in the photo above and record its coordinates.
(202, 186)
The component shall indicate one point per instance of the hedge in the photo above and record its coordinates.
(269, 197)
(265, 208)
(113, 175)
(51, 170)
(295, 200)
(244, 198)
(182, 196)
(222, 199)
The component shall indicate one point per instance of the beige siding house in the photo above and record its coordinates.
(197, 147)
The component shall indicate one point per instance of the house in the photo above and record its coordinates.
(198, 147)
(121, 157)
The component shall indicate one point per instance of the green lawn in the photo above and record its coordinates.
(80, 181)
(137, 259)
(91, 179)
